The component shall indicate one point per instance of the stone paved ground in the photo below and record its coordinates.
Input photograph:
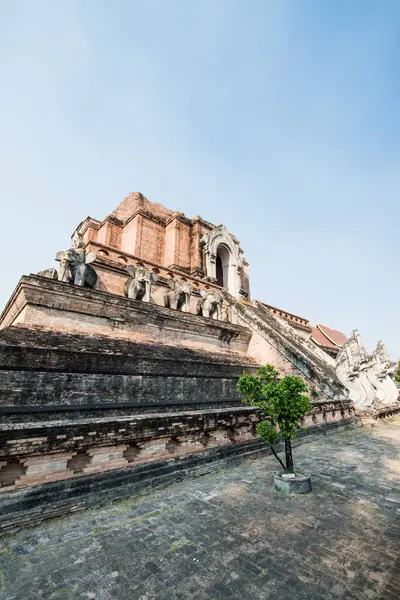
(230, 535)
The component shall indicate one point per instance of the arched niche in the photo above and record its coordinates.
(223, 261)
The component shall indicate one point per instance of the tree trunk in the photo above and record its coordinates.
(277, 457)
(288, 455)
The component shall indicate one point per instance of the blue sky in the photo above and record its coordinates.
(278, 118)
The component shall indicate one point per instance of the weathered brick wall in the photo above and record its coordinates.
(263, 351)
(184, 244)
(196, 263)
(170, 244)
(149, 239)
(41, 453)
(102, 233)
(144, 230)
(33, 454)
(45, 373)
(40, 302)
(114, 236)
(128, 243)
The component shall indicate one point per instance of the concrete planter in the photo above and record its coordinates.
(300, 484)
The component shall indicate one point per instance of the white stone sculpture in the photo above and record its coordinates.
(178, 296)
(380, 373)
(226, 313)
(75, 264)
(351, 365)
(209, 304)
(139, 286)
(368, 378)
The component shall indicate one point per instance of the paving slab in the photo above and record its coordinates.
(230, 535)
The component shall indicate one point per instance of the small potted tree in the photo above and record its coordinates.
(283, 404)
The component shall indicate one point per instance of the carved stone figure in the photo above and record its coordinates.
(49, 273)
(368, 378)
(384, 365)
(351, 366)
(226, 312)
(380, 374)
(209, 304)
(75, 264)
(178, 296)
(138, 287)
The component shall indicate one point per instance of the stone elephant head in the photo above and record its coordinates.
(75, 267)
(209, 304)
(138, 287)
(178, 296)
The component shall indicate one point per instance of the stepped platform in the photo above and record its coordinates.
(103, 397)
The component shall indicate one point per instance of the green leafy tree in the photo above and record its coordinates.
(283, 403)
(397, 373)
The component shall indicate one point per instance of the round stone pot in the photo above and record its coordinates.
(300, 484)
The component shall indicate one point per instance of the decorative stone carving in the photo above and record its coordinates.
(178, 297)
(384, 366)
(226, 312)
(209, 304)
(138, 287)
(351, 365)
(212, 241)
(366, 377)
(49, 273)
(380, 374)
(75, 264)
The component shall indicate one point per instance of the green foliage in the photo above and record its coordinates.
(267, 432)
(289, 405)
(313, 393)
(282, 400)
(259, 390)
(397, 373)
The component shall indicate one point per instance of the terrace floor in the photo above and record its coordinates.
(230, 535)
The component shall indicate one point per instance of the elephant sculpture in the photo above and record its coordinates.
(178, 296)
(75, 265)
(209, 304)
(139, 286)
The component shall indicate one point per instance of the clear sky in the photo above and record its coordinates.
(278, 118)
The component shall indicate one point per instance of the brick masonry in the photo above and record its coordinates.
(150, 232)
(50, 469)
(101, 416)
(47, 375)
(103, 396)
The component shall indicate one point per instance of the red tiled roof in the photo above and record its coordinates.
(319, 338)
(337, 337)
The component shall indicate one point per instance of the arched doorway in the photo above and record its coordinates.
(223, 262)
(222, 266)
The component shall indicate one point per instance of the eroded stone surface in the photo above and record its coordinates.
(230, 535)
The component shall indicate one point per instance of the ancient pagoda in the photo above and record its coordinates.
(119, 368)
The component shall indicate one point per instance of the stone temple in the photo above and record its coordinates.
(119, 370)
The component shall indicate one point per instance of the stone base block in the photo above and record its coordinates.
(300, 484)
